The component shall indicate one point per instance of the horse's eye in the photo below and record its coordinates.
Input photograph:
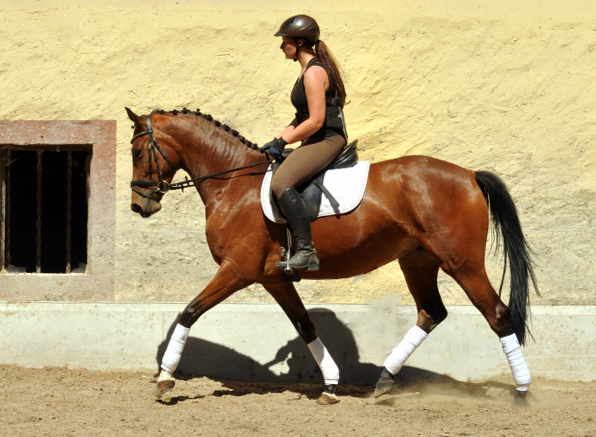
(137, 153)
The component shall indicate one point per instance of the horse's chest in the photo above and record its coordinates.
(225, 227)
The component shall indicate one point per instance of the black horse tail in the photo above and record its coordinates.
(516, 250)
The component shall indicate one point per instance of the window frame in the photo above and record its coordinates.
(97, 283)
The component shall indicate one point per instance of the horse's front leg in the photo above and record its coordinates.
(286, 296)
(226, 282)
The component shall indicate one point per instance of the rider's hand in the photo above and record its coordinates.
(274, 148)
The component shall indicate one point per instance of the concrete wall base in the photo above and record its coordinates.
(256, 342)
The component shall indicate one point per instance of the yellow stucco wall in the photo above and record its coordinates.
(503, 86)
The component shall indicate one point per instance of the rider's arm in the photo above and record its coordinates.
(288, 129)
(315, 82)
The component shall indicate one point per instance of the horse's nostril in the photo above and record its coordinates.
(135, 208)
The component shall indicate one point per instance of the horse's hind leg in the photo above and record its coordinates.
(475, 283)
(420, 271)
(287, 297)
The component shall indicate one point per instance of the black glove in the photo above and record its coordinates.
(275, 147)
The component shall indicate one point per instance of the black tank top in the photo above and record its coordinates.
(334, 122)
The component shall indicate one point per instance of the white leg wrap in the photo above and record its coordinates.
(323, 358)
(517, 362)
(398, 356)
(173, 353)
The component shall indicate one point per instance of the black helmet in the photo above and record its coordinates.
(300, 26)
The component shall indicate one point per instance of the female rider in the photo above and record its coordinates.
(318, 96)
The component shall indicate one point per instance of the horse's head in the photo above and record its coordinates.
(154, 163)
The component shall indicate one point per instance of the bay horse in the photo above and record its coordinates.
(424, 212)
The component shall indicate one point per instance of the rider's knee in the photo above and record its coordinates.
(278, 188)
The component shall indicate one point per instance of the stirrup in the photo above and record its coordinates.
(284, 264)
(303, 259)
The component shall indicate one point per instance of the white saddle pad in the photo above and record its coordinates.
(347, 185)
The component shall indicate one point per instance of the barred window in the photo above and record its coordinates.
(46, 209)
(57, 210)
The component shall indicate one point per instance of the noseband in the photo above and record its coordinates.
(163, 186)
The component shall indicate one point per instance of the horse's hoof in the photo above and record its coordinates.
(383, 387)
(520, 400)
(165, 383)
(328, 399)
(164, 387)
(384, 384)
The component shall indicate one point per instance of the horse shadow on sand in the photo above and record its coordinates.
(296, 366)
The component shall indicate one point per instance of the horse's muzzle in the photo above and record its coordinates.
(145, 207)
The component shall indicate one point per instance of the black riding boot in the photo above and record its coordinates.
(294, 209)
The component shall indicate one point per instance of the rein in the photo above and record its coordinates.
(163, 186)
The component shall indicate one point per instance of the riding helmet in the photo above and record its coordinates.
(300, 26)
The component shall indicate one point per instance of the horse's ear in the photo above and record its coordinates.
(133, 117)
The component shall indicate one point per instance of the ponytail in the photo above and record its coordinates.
(330, 64)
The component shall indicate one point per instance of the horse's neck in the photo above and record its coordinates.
(217, 153)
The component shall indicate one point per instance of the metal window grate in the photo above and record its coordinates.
(45, 210)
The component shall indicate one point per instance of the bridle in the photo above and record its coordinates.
(163, 186)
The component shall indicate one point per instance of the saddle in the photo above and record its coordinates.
(313, 189)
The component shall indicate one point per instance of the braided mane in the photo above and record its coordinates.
(209, 118)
